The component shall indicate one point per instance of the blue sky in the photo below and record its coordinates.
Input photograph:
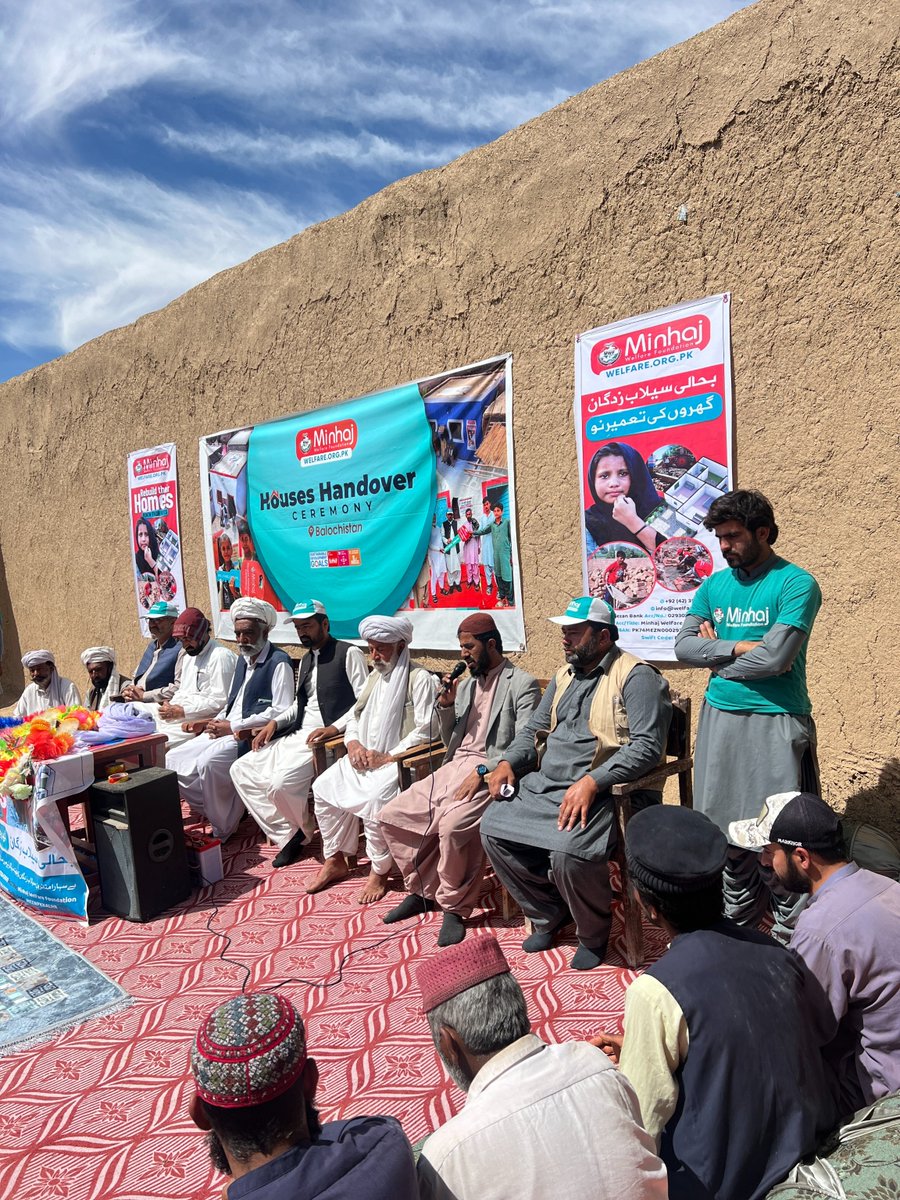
(146, 146)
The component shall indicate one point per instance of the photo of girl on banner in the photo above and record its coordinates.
(653, 409)
(155, 539)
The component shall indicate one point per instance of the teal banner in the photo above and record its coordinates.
(340, 504)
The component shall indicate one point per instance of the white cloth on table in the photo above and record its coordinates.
(343, 794)
(203, 764)
(273, 783)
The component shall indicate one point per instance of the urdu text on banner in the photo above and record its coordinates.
(653, 419)
(397, 502)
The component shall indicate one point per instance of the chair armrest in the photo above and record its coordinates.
(649, 781)
(320, 751)
(410, 764)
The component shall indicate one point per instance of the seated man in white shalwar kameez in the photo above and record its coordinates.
(48, 689)
(206, 675)
(393, 714)
(263, 685)
(273, 781)
(106, 682)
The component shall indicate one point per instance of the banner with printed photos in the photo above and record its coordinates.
(397, 502)
(653, 418)
(155, 528)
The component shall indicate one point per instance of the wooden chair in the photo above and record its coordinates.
(416, 763)
(678, 761)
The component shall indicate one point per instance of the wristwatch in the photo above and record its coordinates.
(482, 770)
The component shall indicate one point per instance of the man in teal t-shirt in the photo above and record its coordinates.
(756, 736)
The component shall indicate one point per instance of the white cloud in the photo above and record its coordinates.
(296, 94)
(272, 149)
(83, 252)
(57, 56)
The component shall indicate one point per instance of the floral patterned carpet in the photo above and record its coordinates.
(101, 1112)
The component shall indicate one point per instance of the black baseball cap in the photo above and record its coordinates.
(807, 821)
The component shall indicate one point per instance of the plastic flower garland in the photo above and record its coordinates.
(40, 737)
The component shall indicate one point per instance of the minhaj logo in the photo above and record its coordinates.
(325, 443)
(718, 616)
(656, 341)
(747, 616)
(150, 464)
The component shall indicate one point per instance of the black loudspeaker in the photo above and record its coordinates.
(141, 852)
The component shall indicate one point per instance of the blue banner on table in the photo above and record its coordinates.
(401, 501)
(37, 863)
(341, 508)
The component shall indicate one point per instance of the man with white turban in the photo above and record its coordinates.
(263, 685)
(206, 675)
(48, 689)
(393, 714)
(106, 681)
(273, 781)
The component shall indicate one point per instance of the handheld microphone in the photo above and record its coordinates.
(454, 675)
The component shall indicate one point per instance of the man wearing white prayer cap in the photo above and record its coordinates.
(48, 689)
(106, 681)
(393, 714)
(273, 781)
(263, 685)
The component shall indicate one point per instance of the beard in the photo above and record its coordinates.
(217, 1155)
(794, 880)
(252, 650)
(462, 1080)
(585, 653)
(480, 665)
(384, 668)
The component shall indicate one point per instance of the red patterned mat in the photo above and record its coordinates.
(101, 1113)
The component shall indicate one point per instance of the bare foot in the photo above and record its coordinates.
(375, 889)
(333, 869)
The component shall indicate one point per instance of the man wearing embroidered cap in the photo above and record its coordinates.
(432, 829)
(255, 1092)
(158, 675)
(206, 674)
(540, 1120)
(106, 682)
(721, 1040)
(393, 714)
(263, 685)
(848, 935)
(603, 720)
(273, 781)
(48, 689)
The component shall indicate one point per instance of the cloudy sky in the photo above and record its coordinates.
(145, 146)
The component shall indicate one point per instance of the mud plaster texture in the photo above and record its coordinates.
(777, 129)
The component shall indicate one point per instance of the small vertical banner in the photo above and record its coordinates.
(155, 528)
(653, 419)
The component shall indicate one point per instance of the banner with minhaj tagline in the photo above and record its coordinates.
(653, 416)
(397, 502)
